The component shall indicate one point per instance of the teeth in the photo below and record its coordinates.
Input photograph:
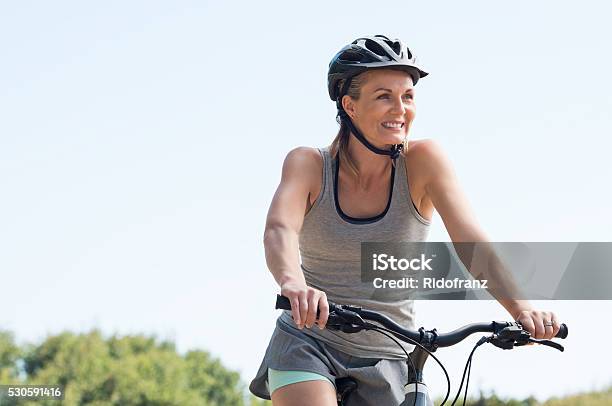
(393, 125)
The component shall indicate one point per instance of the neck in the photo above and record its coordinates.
(368, 163)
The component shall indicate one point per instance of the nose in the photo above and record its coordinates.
(398, 106)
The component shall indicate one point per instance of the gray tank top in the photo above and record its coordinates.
(330, 250)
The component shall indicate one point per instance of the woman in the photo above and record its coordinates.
(370, 184)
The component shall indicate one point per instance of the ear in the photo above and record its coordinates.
(349, 106)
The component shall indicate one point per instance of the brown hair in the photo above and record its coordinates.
(340, 144)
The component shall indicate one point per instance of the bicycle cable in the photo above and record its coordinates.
(468, 369)
(448, 385)
(467, 382)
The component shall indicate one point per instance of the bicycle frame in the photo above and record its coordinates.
(415, 386)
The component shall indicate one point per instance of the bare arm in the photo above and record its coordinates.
(301, 172)
(444, 191)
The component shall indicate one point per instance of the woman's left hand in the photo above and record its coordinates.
(540, 324)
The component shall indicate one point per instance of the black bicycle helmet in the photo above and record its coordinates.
(367, 53)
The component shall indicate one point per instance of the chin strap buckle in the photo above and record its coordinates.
(396, 151)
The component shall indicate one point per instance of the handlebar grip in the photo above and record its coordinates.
(282, 303)
(562, 331)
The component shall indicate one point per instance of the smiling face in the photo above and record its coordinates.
(385, 107)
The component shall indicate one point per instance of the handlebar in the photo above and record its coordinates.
(351, 319)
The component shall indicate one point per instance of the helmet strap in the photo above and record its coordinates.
(393, 153)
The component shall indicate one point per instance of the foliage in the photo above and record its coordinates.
(603, 398)
(9, 356)
(131, 370)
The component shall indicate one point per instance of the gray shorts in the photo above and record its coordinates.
(380, 381)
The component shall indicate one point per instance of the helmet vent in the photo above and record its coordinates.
(376, 48)
(394, 45)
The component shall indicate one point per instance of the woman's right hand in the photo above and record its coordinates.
(305, 301)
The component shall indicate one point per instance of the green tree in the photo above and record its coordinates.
(601, 398)
(131, 371)
(10, 353)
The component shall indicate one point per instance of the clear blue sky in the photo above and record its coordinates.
(141, 143)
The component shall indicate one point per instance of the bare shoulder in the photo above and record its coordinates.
(304, 160)
(426, 163)
(426, 159)
(426, 148)
(305, 166)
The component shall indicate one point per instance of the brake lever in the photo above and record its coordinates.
(548, 343)
(528, 339)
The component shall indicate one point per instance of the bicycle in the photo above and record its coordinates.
(353, 319)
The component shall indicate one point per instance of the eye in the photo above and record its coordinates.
(407, 96)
